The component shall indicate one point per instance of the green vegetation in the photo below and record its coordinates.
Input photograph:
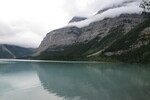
(81, 50)
(141, 54)
(115, 41)
(114, 34)
(126, 41)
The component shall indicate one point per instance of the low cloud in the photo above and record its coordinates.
(130, 8)
(5, 30)
(88, 8)
(26, 22)
(19, 35)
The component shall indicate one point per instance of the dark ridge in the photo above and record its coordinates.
(77, 19)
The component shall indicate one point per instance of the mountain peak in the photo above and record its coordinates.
(114, 6)
(77, 19)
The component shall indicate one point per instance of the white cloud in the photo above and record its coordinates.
(128, 9)
(24, 39)
(26, 22)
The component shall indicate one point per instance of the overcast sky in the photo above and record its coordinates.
(26, 22)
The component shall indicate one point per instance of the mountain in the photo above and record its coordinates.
(77, 19)
(12, 51)
(133, 47)
(114, 6)
(96, 40)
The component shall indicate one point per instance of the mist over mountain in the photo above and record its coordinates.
(93, 32)
(28, 25)
(124, 3)
(111, 12)
(89, 38)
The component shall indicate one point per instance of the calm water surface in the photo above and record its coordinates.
(41, 80)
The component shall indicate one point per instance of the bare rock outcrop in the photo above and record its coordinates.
(63, 37)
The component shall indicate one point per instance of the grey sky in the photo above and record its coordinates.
(26, 22)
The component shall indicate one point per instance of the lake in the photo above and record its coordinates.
(68, 80)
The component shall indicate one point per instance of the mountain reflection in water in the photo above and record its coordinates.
(96, 81)
(74, 81)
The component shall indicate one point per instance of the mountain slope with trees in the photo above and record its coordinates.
(122, 38)
(12, 51)
(134, 46)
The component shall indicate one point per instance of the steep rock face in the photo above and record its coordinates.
(134, 46)
(103, 28)
(135, 38)
(11, 51)
(95, 37)
(77, 19)
(57, 39)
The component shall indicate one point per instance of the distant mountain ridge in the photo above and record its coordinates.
(13, 52)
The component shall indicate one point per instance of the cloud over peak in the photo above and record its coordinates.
(110, 12)
(26, 22)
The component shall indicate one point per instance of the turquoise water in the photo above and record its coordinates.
(54, 80)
